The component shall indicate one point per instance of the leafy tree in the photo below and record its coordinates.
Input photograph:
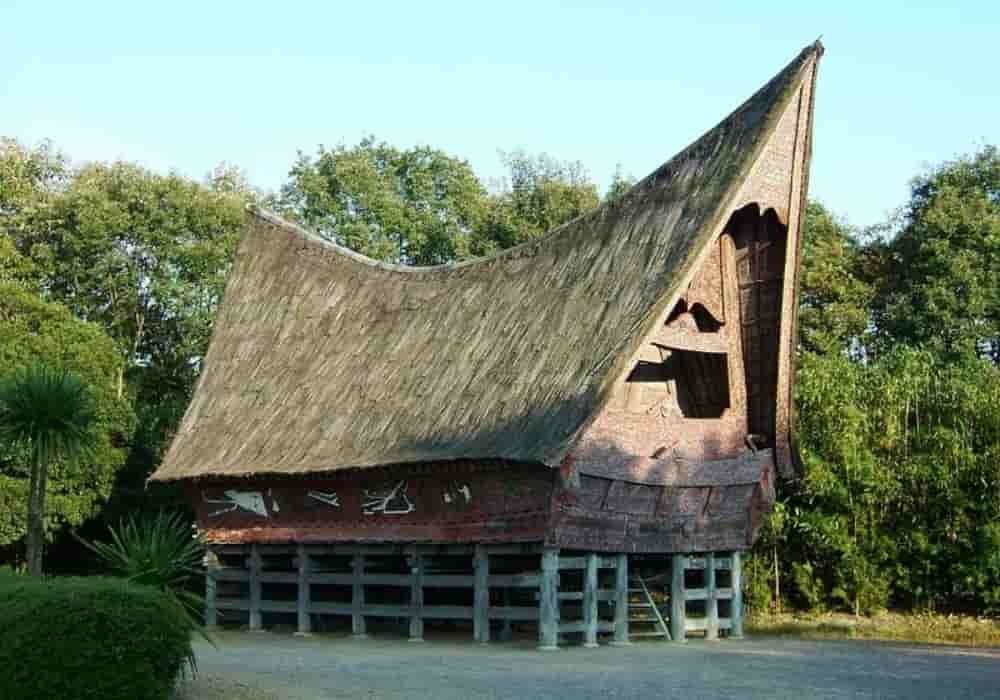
(620, 184)
(143, 255)
(32, 331)
(49, 413)
(835, 298)
(900, 495)
(939, 282)
(29, 179)
(417, 206)
(14, 267)
(538, 195)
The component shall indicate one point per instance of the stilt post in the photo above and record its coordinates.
(255, 588)
(590, 602)
(416, 597)
(481, 595)
(548, 601)
(358, 628)
(711, 599)
(736, 610)
(506, 630)
(303, 602)
(678, 603)
(621, 601)
(211, 562)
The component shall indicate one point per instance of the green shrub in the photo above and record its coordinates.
(159, 551)
(89, 638)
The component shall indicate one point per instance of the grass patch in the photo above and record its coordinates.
(929, 628)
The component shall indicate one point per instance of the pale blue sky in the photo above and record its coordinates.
(186, 84)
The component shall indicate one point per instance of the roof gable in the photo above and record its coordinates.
(322, 359)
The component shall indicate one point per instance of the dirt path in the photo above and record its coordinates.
(267, 666)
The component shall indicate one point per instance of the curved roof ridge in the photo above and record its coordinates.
(660, 176)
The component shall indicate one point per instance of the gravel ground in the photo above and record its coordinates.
(270, 666)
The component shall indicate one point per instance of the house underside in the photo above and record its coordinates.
(550, 436)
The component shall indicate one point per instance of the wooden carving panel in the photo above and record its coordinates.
(432, 503)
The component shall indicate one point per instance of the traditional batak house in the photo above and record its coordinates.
(496, 440)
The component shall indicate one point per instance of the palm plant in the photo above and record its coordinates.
(158, 551)
(48, 412)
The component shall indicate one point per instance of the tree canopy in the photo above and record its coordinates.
(32, 331)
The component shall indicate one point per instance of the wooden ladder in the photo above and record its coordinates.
(643, 610)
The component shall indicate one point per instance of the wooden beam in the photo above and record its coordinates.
(678, 606)
(711, 602)
(211, 569)
(358, 629)
(255, 587)
(507, 630)
(417, 597)
(621, 602)
(736, 610)
(304, 620)
(521, 613)
(747, 468)
(548, 601)
(590, 602)
(677, 338)
(481, 595)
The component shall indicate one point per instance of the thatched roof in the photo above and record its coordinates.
(322, 359)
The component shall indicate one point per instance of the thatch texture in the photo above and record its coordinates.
(324, 360)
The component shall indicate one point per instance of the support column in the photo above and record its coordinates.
(736, 610)
(358, 628)
(211, 562)
(416, 597)
(255, 588)
(678, 605)
(548, 601)
(711, 599)
(590, 602)
(304, 597)
(507, 629)
(481, 595)
(621, 602)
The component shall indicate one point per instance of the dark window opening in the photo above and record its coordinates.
(704, 320)
(700, 381)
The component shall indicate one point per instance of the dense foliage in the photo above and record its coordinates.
(897, 502)
(47, 413)
(898, 404)
(33, 330)
(97, 638)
